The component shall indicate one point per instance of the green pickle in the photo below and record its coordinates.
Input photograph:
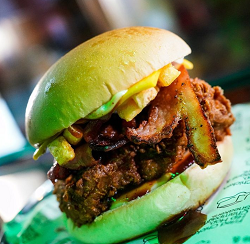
(61, 150)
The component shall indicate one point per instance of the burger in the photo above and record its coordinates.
(135, 140)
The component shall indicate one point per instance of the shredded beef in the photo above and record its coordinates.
(86, 195)
(216, 107)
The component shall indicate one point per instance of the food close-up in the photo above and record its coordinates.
(136, 141)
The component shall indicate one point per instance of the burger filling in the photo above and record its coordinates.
(116, 160)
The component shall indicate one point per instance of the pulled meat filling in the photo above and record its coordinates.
(86, 193)
(216, 107)
(119, 162)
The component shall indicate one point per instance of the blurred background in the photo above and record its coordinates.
(35, 33)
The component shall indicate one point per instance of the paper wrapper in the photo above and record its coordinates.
(228, 217)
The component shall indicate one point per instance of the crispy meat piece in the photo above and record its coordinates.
(216, 107)
(164, 115)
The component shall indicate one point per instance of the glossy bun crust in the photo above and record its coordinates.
(186, 191)
(89, 75)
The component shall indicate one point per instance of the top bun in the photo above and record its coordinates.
(89, 75)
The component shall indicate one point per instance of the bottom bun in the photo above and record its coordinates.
(186, 191)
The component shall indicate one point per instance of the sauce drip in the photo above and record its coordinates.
(181, 229)
(183, 164)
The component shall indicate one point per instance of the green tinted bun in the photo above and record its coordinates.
(89, 75)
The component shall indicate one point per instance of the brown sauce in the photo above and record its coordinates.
(140, 191)
(181, 229)
(182, 165)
